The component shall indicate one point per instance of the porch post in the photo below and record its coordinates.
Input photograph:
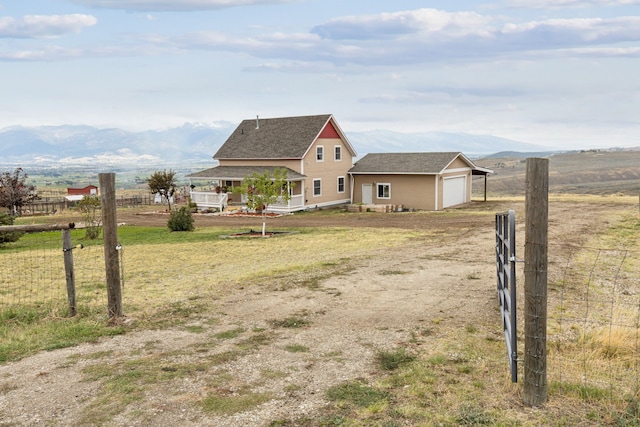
(485, 187)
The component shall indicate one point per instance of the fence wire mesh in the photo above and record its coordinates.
(593, 335)
(32, 274)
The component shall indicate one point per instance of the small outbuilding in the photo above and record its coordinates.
(424, 181)
(89, 190)
(77, 194)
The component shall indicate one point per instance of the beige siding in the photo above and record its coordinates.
(410, 191)
(458, 163)
(327, 171)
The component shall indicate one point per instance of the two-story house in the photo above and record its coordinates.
(313, 149)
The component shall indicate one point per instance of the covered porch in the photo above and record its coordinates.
(214, 188)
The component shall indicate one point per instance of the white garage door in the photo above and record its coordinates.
(454, 191)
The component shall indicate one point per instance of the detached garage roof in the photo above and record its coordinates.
(410, 163)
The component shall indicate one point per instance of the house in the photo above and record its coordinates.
(313, 149)
(425, 181)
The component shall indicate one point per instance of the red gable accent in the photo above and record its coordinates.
(329, 132)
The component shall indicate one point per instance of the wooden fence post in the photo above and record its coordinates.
(535, 281)
(68, 269)
(110, 233)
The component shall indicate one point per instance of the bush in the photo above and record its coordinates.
(89, 207)
(8, 236)
(181, 220)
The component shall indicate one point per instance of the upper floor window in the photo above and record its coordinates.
(320, 153)
(384, 191)
(337, 153)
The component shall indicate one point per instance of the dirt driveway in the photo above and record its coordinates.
(236, 349)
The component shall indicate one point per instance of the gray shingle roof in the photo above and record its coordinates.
(239, 172)
(417, 163)
(279, 138)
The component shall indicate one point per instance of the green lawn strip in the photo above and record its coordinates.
(24, 331)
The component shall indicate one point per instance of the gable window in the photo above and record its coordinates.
(384, 191)
(337, 153)
(341, 184)
(317, 187)
(320, 153)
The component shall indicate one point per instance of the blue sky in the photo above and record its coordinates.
(559, 73)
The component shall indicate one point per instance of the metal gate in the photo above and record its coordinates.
(506, 279)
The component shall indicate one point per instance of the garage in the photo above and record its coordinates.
(454, 191)
(422, 181)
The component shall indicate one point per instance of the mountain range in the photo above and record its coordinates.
(198, 142)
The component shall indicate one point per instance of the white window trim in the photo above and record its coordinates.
(322, 149)
(344, 184)
(313, 189)
(335, 158)
(378, 185)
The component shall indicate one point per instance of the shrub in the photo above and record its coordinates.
(8, 236)
(181, 220)
(89, 206)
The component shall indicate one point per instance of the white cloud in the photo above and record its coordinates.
(41, 26)
(422, 36)
(173, 5)
(426, 22)
(388, 39)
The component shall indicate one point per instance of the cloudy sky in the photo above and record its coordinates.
(562, 73)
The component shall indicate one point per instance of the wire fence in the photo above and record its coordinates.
(33, 276)
(593, 327)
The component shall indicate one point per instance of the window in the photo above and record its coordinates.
(384, 191)
(337, 153)
(341, 184)
(317, 187)
(320, 153)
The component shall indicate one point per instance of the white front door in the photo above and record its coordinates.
(367, 194)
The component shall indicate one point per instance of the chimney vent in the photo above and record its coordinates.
(257, 122)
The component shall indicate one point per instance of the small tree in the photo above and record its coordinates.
(8, 236)
(89, 206)
(14, 192)
(163, 182)
(262, 190)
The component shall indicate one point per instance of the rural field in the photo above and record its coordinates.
(350, 319)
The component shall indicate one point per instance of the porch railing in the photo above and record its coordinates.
(295, 203)
(209, 199)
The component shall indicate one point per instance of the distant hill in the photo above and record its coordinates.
(86, 144)
(81, 145)
(604, 172)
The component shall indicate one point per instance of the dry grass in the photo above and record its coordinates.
(180, 271)
(594, 341)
